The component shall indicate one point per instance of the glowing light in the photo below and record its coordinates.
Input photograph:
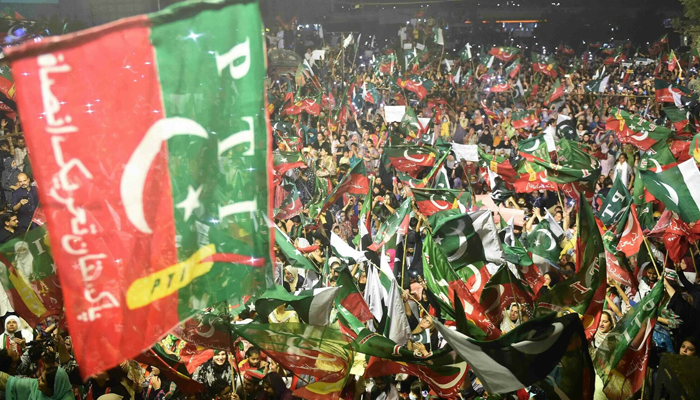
(193, 36)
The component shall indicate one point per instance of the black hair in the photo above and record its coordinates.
(5, 218)
(51, 377)
(5, 361)
(251, 351)
(694, 341)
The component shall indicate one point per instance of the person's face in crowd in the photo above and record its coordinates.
(605, 324)
(69, 344)
(220, 358)
(20, 143)
(688, 349)
(249, 386)
(558, 216)
(343, 139)
(254, 359)
(323, 152)
(514, 313)
(363, 278)
(22, 179)
(622, 159)
(427, 323)
(547, 280)
(225, 393)
(43, 386)
(369, 144)
(288, 276)
(320, 137)
(11, 326)
(586, 138)
(380, 383)
(12, 223)
(651, 275)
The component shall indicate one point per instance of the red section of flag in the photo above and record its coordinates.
(444, 386)
(357, 306)
(91, 250)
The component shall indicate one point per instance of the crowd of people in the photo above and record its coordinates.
(331, 122)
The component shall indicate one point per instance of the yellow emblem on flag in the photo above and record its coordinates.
(165, 282)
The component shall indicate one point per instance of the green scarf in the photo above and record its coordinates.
(28, 389)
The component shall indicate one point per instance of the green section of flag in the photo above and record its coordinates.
(219, 183)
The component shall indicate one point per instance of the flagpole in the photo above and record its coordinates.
(653, 261)
(403, 261)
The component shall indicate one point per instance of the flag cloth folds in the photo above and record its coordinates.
(622, 358)
(397, 223)
(28, 276)
(677, 188)
(313, 306)
(584, 292)
(635, 130)
(177, 197)
(443, 371)
(318, 351)
(522, 357)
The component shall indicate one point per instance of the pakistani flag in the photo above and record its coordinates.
(409, 123)
(680, 118)
(523, 119)
(466, 53)
(597, 85)
(566, 128)
(616, 203)
(454, 233)
(677, 188)
(543, 242)
(291, 253)
(524, 356)
(313, 306)
(184, 183)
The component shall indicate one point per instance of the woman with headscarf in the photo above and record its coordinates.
(53, 384)
(292, 280)
(511, 318)
(606, 324)
(275, 388)
(13, 335)
(25, 260)
(212, 374)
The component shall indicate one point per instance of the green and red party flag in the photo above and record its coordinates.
(505, 53)
(309, 104)
(397, 223)
(283, 161)
(556, 92)
(411, 159)
(672, 61)
(152, 219)
(633, 129)
(499, 87)
(28, 276)
(513, 69)
(668, 92)
(500, 291)
(354, 182)
(416, 84)
(523, 119)
(431, 201)
(290, 207)
(543, 65)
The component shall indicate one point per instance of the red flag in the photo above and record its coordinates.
(632, 236)
(678, 237)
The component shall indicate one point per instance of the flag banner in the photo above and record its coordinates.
(443, 371)
(523, 356)
(205, 330)
(28, 276)
(313, 306)
(634, 130)
(621, 358)
(616, 203)
(431, 201)
(584, 292)
(171, 368)
(318, 351)
(677, 188)
(455, 235)
(153, 219)
(397, 223)
(500, 291)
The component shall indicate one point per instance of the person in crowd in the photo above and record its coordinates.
(275, 388)
(25, 200)
(511, 318)
(213, 374)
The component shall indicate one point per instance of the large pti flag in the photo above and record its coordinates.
(155, 168)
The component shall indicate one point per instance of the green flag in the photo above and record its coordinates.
(677, 188)
(543, 242)
(615, 204)
(291, 253)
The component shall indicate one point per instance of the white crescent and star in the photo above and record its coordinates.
(552, 243)
(462, 248)
(432, 200)
(671, 193)
(418, 160)
(533, 148)
(477, 278)
(133, 180)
